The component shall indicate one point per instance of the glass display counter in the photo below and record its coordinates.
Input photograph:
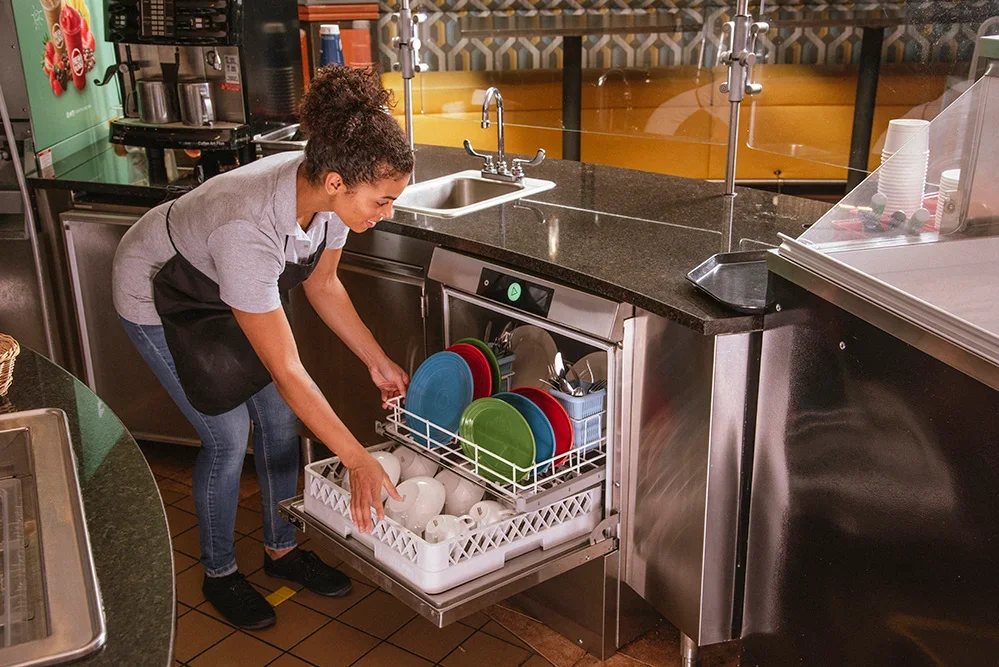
(934, 261)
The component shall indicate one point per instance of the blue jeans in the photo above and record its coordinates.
(220, 460)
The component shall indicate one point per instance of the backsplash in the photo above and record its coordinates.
(950, 38)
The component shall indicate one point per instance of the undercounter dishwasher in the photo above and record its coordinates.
(595, 547)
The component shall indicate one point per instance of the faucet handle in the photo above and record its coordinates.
(487, 159)
(519, 164)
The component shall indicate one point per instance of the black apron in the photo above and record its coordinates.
(216, 364)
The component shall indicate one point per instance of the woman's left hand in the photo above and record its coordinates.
(390, 379)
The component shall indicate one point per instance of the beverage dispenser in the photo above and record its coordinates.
(204, 76)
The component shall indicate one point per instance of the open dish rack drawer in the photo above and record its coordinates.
(564, 513)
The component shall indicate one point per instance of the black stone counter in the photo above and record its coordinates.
(624, 234)
(128, 530)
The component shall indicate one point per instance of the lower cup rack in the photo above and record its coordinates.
(525, 489)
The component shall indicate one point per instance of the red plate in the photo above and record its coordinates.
(482, 374)
(556, 414)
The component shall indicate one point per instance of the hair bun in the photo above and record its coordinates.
(339, 93)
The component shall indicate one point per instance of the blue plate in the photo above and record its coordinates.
(544, 434)
(439, 392)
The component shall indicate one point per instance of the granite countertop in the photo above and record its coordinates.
(128, 530)
(624, 234)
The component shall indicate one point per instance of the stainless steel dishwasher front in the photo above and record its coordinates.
(582, 324)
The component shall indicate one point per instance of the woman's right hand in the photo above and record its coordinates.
(366, 482)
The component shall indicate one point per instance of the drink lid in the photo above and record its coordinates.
(329, 29)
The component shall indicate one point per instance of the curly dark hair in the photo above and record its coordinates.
(345, 115)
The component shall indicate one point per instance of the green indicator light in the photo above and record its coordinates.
(514, 291)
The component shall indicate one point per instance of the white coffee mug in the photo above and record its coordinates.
(461, 493)
(488, 512)
(446, 527)
(414, 465)
(390, 464)
(422, 500)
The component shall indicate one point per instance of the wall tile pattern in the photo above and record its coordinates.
(949, 40)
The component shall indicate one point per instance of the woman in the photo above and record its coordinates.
(198, 284)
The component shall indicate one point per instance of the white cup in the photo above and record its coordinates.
(909, 135)
(949, 181)
(422, 500)
(461, 493)
(390, 464)
(902, 179)
(489, 512)
(444, 527)
(414, 465)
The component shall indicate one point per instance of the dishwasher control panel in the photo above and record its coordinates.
(515, 292)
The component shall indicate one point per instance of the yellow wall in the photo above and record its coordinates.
(674, 120)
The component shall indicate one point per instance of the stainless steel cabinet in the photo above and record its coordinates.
(388, 295)
(113, 368)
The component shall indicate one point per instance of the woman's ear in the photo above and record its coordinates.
(333, 182)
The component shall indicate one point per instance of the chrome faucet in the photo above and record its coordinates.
(494, 92)
(624, 78)
(496, 169)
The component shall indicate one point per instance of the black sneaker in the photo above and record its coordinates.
(306, 568)
(239, 602)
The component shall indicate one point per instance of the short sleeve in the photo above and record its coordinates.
(248, 266)
(336, 233)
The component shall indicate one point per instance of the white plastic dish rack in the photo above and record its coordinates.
(523, 482)
(434, 568)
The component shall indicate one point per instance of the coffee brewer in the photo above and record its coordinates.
(204, 76)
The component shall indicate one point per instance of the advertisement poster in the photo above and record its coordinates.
(62, 52)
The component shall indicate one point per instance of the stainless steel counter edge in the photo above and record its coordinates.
(922, 338)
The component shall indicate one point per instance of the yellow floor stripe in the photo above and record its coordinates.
(280, 595)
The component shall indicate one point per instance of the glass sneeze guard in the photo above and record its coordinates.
(937, 265)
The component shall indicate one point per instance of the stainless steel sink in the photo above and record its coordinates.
(465, 192)
(50, 606)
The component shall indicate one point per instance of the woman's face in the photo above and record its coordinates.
(367, 204)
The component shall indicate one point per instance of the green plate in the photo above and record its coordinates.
(490, 357)
(497, 427)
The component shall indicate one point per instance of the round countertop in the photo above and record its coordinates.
(129, 537)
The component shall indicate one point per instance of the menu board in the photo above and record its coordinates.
(63, 51)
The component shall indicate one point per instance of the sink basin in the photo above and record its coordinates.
(50, 606)
(463, 193)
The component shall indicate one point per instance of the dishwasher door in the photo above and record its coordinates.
(518, 575)
(388, 296)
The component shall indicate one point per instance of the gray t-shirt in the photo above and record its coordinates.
(238, 228)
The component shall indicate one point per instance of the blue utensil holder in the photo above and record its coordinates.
(587, 415)
(506, 371)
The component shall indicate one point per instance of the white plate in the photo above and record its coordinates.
(535, 349)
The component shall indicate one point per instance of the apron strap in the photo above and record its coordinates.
(169, 235)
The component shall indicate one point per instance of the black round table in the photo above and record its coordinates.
(129, 536)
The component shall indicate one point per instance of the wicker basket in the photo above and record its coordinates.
(9, 350)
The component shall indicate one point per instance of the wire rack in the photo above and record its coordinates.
(566, 472)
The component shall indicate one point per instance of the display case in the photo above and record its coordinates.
(934, 262)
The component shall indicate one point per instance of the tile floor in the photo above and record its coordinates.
(367, 628)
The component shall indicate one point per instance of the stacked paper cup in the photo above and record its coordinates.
(902, 176)
(948, 186)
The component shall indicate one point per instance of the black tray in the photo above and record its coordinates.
(736, 279)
